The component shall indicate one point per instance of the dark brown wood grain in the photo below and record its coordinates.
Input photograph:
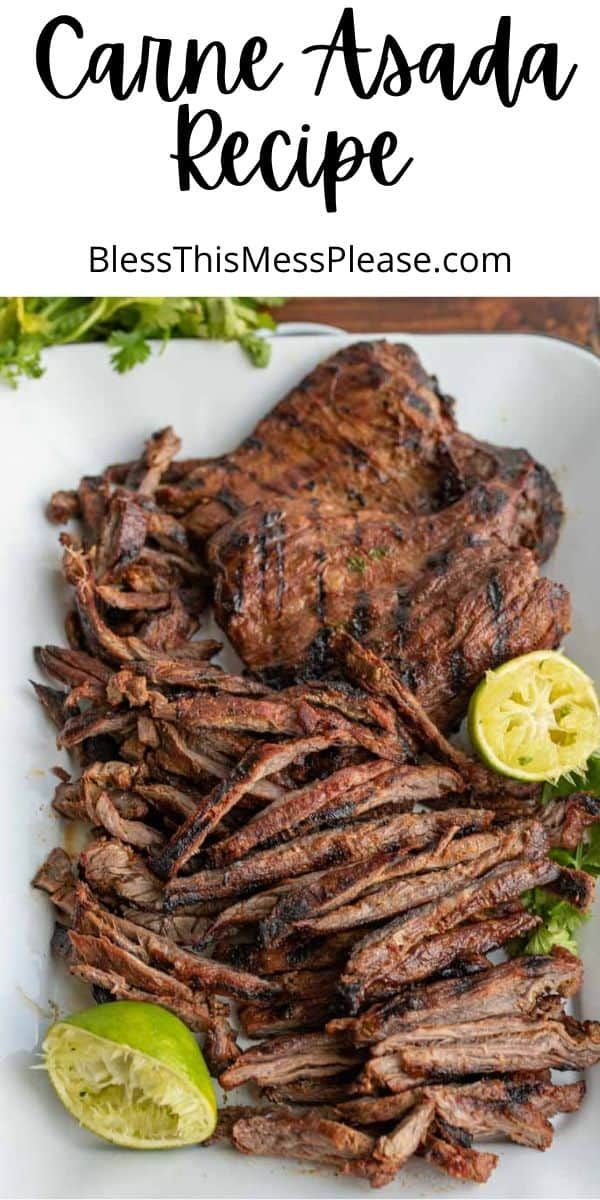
(575, 319)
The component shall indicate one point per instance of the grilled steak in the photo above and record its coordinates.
(367, 428)
(444, 597)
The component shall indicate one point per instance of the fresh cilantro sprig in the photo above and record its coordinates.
(127, 324)
(561, 920)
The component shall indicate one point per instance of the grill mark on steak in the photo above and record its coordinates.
(368, 428)
(282, 816)
(452, 600)
(314, 852)
(516, 986)
(371, 959)
(258, 762)
(440, 951)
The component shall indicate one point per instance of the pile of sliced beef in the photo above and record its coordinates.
(312, 869)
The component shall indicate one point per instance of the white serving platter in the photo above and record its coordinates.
(512, 389)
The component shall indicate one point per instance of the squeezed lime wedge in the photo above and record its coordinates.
(132, 1073)
(535, 718)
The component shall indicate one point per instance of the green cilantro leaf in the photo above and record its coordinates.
(129, 324)
(356, 563)
(560, 922)
(130, 349)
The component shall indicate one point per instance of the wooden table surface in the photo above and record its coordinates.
(577, 320)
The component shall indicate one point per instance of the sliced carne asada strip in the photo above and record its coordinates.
(183, 929)
(187, 967)
(309, 1137)
(169, 800)
(394, 1149)
(228, 1116)
(283, 815)
(189, 654)
(158, 454)
(63, 506)
(351, 702)
(377, 676)
(93, 494)
(519, 1087)
(220, 1047)
(416, 869)
(99, 637)
(104, 955)
(115, 597)
(515, 986)
(463, 1030)
(398, 747)
(133, 833)
(309, 984)
(578, 887)
(382, 951)
(177, 757)
(75, 801)
(254, 908)
(319, 850)
(258, 762)
(255, 714)
(496, 1096)
(405, 785)
(458, 1161)
(311, 1091)
(122, 535)
(521, 1123)
(517, 841)
(91, 723)
(295, 1015)
(192, 1013)
(164, 631)
(376, 1110)
(286, 1059)
(562, 1046)
(567, 817)
(400, 895)
(72, 667)
(53, 702)
(441, 951)
(197, 676)
(387, 1072)
(324, 952)
(113, 870)
(57, 878)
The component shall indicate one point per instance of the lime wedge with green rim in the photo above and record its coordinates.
(133, 1074)
(535, 718)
